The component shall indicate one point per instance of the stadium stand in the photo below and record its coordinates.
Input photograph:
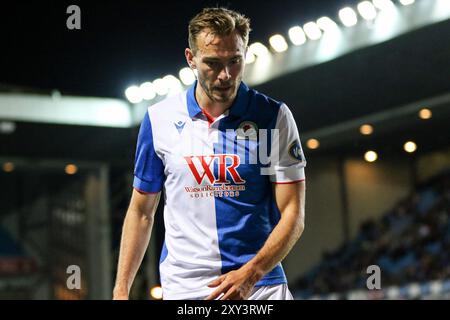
(410, 244)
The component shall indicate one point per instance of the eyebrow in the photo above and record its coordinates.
(218, 59)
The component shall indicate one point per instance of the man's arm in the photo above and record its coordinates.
(136, 231)
(238, 284)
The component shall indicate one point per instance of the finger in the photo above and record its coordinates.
(229, 295)
(216, 293)
(221, 289)
(216, 282)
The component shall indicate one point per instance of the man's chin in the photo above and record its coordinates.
(224, 99)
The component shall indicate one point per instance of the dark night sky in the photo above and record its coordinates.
(121, 42)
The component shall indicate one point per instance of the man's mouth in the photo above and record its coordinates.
(223, 88)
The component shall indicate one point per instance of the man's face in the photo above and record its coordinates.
(220, 62)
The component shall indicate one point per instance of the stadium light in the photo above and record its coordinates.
(425, 114)
(297, 35)
(71, 169)
(173, 85)
(156, 292)
(406, 2)
(312, 31)
(187, 76)
(147, 91)
(278, 43)
(8, 167)
(383, 4)
(326, 24)
(133, 94)
(313, 144)
(258, 49)
(161, 87)
(348, 17)
(367, 10)
(366, 129)
(410, 146)
(370, 156)
(250, 57)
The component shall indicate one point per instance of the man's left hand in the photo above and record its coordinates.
(234, 285)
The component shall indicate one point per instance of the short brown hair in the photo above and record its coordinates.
(221, 21)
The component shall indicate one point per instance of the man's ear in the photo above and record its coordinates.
(190, 58)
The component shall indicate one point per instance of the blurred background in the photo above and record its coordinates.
(367, 82)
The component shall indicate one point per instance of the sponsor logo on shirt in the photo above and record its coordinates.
(201, 168)
(215, 184)
(179, 125)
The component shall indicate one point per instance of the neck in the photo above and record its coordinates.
(212, 107)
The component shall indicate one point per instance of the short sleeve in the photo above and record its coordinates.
(148, 167)
(287, 159)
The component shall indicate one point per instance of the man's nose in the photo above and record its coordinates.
(224, 74)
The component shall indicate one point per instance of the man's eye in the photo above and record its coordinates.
(212, 64)
(235, 61)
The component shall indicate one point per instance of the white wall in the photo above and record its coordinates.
(374, 188)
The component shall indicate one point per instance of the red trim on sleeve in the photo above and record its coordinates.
(289, 182)
(144, 192)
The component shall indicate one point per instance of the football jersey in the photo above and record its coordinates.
(217, 176)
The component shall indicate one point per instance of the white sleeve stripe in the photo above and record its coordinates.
(295, 172)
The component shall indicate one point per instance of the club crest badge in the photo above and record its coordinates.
(247, 130)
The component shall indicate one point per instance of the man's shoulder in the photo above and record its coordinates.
(263, 99)
(169, 104)
(263, 104)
